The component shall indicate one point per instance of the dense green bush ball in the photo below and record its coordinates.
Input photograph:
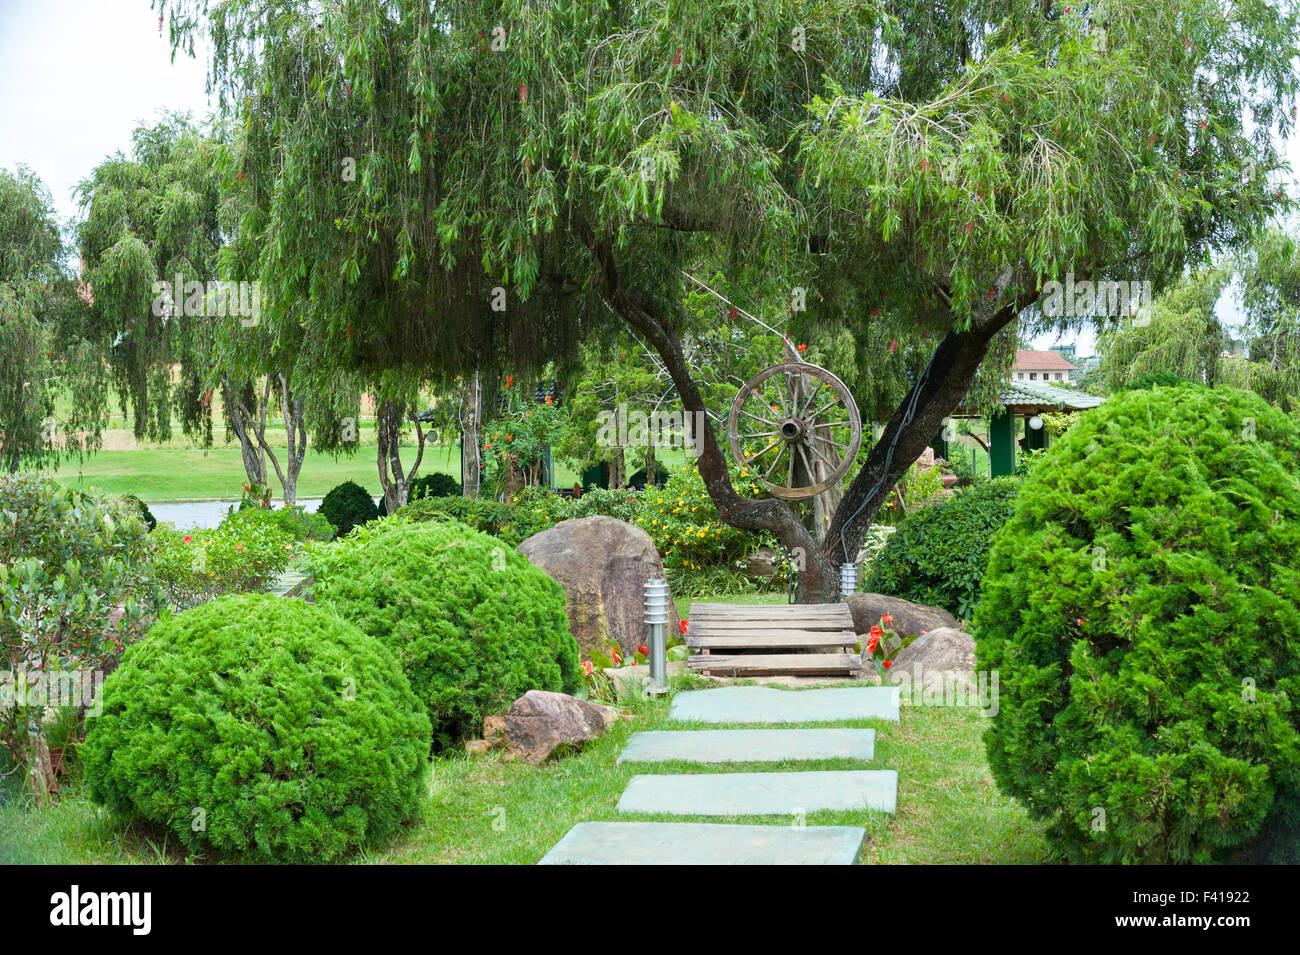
(939, 555)
(1142, 610)
(473, 622)
(261, 727)
(347, 506)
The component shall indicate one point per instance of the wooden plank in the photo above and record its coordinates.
(800, 664)
(760, 626)
(784, 619)
(749, 610)
(774, 638)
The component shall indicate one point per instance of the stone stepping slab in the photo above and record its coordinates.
(682, 843)
(748, 746)
(764, 704)
(761, 794)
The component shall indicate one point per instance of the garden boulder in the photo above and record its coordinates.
(909, 618)
(602, 563)
(943, 649)
(540, 722)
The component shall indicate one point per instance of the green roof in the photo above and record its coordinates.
(1068, 399)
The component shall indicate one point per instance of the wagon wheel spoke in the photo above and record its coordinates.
(767, 475)
(754, 457)
(803, 412)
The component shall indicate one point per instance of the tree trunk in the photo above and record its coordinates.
(241, 420)
(392, 478)
(651, 466)
(617, 469)
(471, 470)
(295, 443)
(41, 783)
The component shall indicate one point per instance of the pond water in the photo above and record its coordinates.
(205, 513)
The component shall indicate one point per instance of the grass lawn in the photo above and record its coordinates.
(159, 475)
(482, 809)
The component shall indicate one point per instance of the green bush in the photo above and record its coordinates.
(347, 506)
(145, 514)
(243, 553)
(1142, 610)
(260, 727)
(76, 586)
(434, 485)
(474, 624)
(939, 554)
(485, 516)
(292, 520)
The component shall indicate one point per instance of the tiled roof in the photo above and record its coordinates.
(1026, 393)
(1043, 361)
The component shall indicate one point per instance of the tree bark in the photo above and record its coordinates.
(250, 449)
(296, 443)
(392, 478)
(471, 469)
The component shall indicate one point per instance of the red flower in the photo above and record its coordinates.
(888, 664)
(549, 401)
(872, 644)
(186, 538)
(803, 348)
(893, 345)
(886, 619)
(734, 313)
(587, 668)
(876, 632)
(683, 626)
(642, 649)
(510, 380)
(615, 655)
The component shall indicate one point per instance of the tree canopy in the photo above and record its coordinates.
(480, 185)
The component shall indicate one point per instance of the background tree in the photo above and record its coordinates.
(44, 352)
(1270, 278)
(1182, 335)
(525, 173)
(150, 217)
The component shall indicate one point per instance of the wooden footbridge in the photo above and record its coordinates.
(772, 640)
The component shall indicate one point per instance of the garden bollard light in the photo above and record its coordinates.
(656, 615)
(848, 578)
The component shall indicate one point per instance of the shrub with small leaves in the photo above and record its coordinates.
(239, 555)
(262, 728)
(347, 506)
(1142, 610)
(474, 624)
(939, 554)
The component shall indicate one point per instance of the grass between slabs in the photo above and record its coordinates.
(484, 809)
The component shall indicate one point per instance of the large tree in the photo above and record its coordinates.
(44, 352)
(478, 185)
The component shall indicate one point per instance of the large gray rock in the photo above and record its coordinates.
(943, 649)
(909, 618)
(540, 722)
(602, 564)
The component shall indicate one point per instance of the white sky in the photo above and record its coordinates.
(77, 76)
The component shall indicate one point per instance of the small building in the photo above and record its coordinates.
(1025, 402)
(1039, 366)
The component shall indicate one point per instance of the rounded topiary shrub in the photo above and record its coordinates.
(145, 514)
(347, 506)
(473, 622)
(939, 554)
(260, 727)
(1142, 611)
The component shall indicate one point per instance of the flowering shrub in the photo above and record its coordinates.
(290, 735)
(237, 556)
(293, 520)
(681, 518)
(76, 586)
(1142, 609)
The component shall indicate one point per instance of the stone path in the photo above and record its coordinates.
(790, 794)
(748, 746)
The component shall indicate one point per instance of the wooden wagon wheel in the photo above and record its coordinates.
(797, 423)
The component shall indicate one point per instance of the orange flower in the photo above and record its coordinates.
(510, 437)
(886, 619)
(488, 446)
(803, 348)
(549, 401)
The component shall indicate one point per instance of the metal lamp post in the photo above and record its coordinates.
(656, 616)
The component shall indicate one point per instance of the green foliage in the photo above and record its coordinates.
(1142, 608)
(474, 624)
(939, 554)
(434, 485)
(45, 351)
(146, 515)
(243, 553)
(684, 523)
(76, 586)
(347, 506)
(292, 520)
(263, 728)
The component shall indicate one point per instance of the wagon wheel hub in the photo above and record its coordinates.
(792, 430)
